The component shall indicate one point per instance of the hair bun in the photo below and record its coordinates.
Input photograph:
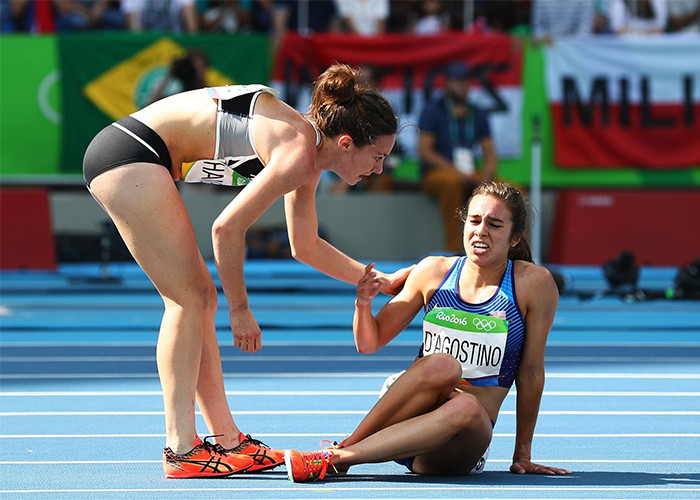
(338, 84)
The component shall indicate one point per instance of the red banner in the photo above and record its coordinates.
(411, 68)
(405, 59)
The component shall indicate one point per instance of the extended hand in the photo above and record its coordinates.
(368, 286)
(393, 283)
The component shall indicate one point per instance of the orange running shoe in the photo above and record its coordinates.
(307, 465)
(263, 456)
(204, 460)
(335, 445)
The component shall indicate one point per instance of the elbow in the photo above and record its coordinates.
(530, 378)
(219, 230)
(297, 252)
(222, 231)
(301, 249)
(363, 348)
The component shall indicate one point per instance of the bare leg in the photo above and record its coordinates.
(448, 440)
(425, 386)
(211, 393)
(421, 416)
(152, 219)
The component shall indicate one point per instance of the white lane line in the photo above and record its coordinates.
(334, 434)
(333, 488)
(101, 359)
(91, 413)
(349, 375)
(495, 460)
(596, 394)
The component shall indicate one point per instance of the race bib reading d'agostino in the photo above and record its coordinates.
(478, 342)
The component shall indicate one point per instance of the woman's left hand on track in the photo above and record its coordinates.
(527, 467)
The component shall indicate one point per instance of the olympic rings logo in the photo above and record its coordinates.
(484, 324)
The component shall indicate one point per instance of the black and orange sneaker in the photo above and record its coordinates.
(263, 456)
(307, 465)
(204, 460)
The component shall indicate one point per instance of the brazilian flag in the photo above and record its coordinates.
(107, 76)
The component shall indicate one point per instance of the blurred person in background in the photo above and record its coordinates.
(429, 18)
(638, 17)
(16, 16)
(320, 16)
(363, 17)
(184, 73)
(224, 16)
(82, 15)
(452, 130)
(684, 15)
(502, 16)
(550, 20)
(161, 15)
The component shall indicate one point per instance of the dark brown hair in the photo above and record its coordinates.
(340, 106)
(518, 207)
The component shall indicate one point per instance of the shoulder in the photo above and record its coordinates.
(429, 272)
(282, 133)
(534, 284)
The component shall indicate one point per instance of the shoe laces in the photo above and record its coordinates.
(317, 461)
(247, 442)
(334, 445)
(214, 448)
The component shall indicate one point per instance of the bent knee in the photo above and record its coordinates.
(198, 294)
(465, 411)
(440, 370)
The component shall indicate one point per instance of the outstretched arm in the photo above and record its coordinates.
(308, 247)
(541, 298)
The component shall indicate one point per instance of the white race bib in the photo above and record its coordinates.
(478, 342)
(220, 171)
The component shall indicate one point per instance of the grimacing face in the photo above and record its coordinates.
(488, 230)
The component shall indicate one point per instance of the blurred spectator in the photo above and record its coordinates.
(504, 16)
(16, 15)
(429, 17)
(638, 17)
(684, 15)
(312, 16)
(601, 17)
(554, 19)
(225, 16)
(161, 15)
(185, 73)
(452, 130)
(363, 17)
(262, 14)
(83, 15)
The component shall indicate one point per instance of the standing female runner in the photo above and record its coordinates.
(236, 135)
